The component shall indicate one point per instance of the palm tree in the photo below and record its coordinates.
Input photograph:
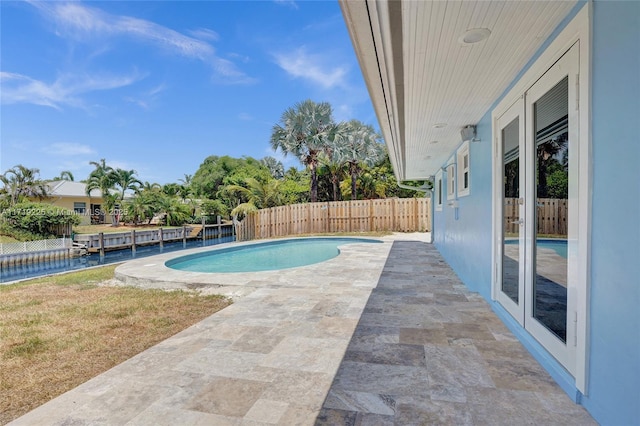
(303, 132)
(259, 195)
(125, 180)
(186, 180)
(100, 178)
(333, 164)
(20, 182)
(175, 213)
(360, 145)
(148, 186)
(64, 175)
(276, 169)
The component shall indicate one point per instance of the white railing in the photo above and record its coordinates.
(30, 246)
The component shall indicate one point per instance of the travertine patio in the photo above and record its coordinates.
(382, 334)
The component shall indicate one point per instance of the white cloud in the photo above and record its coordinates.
(147, 99)
(300, 64)
(68, 149)
(245, 117)
(80, 22)
(64, 91)
(205, 34)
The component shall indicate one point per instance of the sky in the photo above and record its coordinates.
(158, 86)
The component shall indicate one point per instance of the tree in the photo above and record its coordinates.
(358, 144)
(64, 175)
(30, 221)
(214, 208)
(175, 213)
(546, 153)
(147, 186)
(276, 169)
(20, 183)
(333, 164)
(216, 172)
(303, 131)
(125, 180)
(107, 179)
(257, 195)
(100, 178)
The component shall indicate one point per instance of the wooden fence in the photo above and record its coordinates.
(390, 214)
(551, 214)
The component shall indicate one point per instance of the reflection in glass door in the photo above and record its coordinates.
(537, 152)
(512, 222)
(550, 119)
(511, 141)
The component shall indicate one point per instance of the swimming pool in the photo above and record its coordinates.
(269, 256)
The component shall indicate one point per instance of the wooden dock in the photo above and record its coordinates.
(101, 242)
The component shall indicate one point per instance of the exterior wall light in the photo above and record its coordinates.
(468, 133)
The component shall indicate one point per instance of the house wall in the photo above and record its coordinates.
(614, 380)
(614, 318)
(68, 203)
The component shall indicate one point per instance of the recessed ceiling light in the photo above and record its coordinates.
(439, 125)
(474, 35)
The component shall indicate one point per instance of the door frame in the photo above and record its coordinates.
(577, 30)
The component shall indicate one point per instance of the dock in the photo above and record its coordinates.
(102, 242)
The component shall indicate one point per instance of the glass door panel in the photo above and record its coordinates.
(511, 243)
(512, 223)
(537, 165)
(551, 132)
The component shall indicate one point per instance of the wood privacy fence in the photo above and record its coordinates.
(551, 215)
(389, 214)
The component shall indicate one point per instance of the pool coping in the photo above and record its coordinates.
(151, 272)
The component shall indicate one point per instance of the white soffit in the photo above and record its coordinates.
(419, 73)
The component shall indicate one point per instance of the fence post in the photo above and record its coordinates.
(161, 238)
(101, 243)
(184, 236)
(133, 242)
(203, 228)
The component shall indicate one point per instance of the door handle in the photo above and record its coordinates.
(518, 222)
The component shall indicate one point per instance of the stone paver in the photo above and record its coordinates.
(383, 334)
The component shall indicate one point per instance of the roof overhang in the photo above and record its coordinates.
(426, 83)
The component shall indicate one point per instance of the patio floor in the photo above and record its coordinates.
(382, 334)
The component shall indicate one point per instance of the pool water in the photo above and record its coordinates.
(559, 246)
(269, 256)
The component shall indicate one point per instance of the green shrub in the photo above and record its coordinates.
(28, 220)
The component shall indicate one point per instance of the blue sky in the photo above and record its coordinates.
(159, 86)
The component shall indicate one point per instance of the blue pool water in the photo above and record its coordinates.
(268, 256)
(559, 246)
(39, 269)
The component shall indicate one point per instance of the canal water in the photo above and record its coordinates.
(33, 270)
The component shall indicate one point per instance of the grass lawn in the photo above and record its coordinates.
(58, 332)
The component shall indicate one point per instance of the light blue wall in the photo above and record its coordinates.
(613, 396)
(465, 241)
(614, 389)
